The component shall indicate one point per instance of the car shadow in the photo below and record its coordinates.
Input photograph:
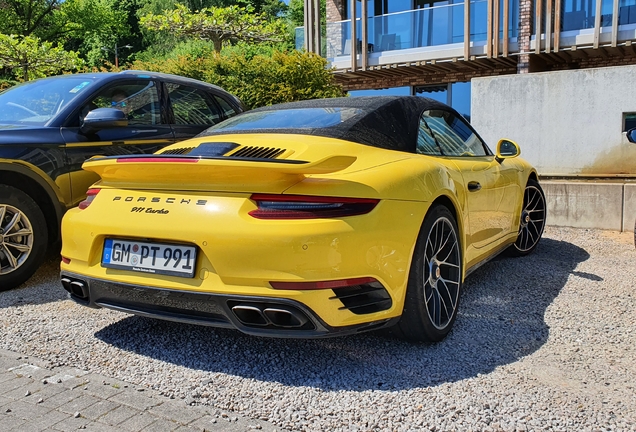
(43, 287)
(501, 320)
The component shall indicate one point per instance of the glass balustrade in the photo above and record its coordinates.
(444, 25)
(581, 14)
(431, 26)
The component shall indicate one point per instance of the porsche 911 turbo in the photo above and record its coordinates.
(306, 219)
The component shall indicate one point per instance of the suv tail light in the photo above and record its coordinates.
(309, 207)
(90, 196)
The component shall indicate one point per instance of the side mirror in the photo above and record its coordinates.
(507, 149)
(103, 118)
(631, 135)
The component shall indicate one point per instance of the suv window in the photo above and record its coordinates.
(453, 134)
(139, 100)
(226, 107)
(191, 106)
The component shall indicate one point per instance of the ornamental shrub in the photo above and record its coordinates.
(257, 79)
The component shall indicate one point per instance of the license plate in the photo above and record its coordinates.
(150, 257)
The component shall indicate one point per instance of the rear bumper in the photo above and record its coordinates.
(258, 316)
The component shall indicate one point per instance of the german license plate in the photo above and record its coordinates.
(150, 257)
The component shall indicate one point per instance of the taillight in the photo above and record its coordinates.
(309, 207)
(332, 284)
(90, 196)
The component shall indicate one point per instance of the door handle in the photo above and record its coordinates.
(474, 186)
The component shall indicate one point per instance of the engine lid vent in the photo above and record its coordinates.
(177, 151)
(254, 152)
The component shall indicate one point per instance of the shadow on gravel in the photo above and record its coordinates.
(43, 287)
(500, 321)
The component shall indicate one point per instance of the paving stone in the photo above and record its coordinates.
(48, 420)
(116, 406)
(207, 423)
(69, 378)
(26, 369)
(16, 382)
(8, 361)
(10, 423)
(186, 429)
(179, 412)
(25, 410)
(55, 396)
(96, 387)
(34, 388)
(99, 409)
(70, 424)
(6, 376)
(101, 427)
(118, 415)
(78, 404)
(136, 400)
(138, 422)
(161, 425)
(4, 400)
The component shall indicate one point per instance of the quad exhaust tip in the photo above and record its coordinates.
(266, 315)
(77, 288)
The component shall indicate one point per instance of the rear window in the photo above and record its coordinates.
(299, 118)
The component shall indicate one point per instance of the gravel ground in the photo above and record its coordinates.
(545, 342)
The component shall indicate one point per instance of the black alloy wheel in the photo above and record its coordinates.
(532, 221)
(435, 280)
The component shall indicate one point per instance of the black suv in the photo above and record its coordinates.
(49, 127)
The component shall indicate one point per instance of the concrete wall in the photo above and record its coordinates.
(587, 205)
(566, 122)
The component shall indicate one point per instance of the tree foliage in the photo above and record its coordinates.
(91, 25)
(243, 45)
(27, 17)
(28, 57)
(260, 79)
(215, 24)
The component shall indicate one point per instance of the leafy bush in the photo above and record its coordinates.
(259, 79)
(6, 83)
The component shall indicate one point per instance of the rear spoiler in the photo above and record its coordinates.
(201, 171)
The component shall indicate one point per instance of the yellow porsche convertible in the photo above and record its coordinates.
(305, 219)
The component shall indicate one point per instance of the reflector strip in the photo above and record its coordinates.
(90, 196)
(341, 283)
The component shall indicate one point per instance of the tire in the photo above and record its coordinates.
(23, 237)
(435, 280)
(532, 222)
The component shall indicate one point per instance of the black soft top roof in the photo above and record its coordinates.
(389, 122)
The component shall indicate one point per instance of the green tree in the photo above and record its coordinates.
(296, 13)
(89, 25)
(27, 17)
(218, 25)
(28, 57)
